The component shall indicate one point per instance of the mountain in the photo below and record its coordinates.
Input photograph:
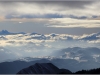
(37, 36)
(80, 54)
(5, 32)
(91, 71)
(49, 68)
(15, 66)
(40, 68)
(34, 33)
(73, 65)
(43, 68)
(68, 58)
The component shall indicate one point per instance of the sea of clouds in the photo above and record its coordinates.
(13, 46)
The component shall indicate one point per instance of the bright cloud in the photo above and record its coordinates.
(72, 23)
(49, 41)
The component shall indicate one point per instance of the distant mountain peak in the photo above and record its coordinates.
(4, 31)
(53, 34)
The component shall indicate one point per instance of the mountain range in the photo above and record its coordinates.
(72, 52)
(5, 32)
(70, 64)
(73, 59)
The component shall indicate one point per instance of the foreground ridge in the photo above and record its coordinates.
(43, 68)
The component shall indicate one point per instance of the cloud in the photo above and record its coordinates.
(91, 37)
(50, 9)
(34, 16)
(72, 23)
(22, 45)
(20, 22)
(51, 41)
(1, 49)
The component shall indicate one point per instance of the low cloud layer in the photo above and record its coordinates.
(39, 45)
(45, 41)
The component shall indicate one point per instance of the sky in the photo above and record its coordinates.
(76, 24)
(68, 17)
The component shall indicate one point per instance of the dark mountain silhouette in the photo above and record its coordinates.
(49, 68)
(70, 64)
(15, 66)
(43, 68)
(91, 71)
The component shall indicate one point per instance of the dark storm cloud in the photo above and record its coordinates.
(55, 6)
(46, 9)
(76, 17)
(70, 4)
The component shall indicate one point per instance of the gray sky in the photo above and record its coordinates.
(71, 17)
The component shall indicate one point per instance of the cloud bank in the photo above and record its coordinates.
(38, 45)
(50, 9)
(46, 41)
(72, 23)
